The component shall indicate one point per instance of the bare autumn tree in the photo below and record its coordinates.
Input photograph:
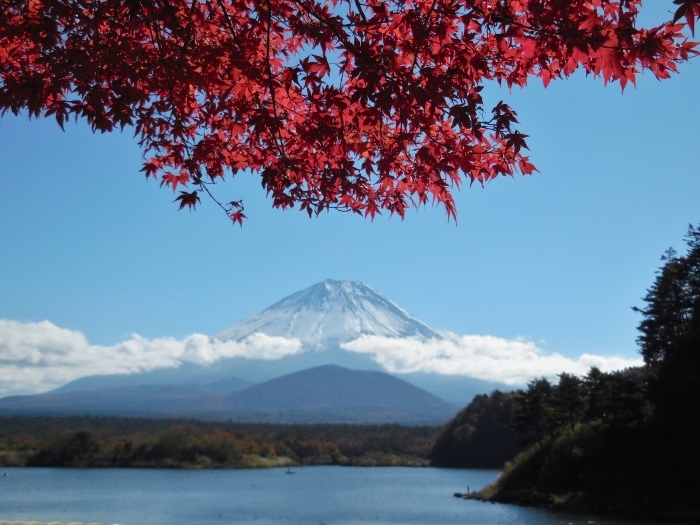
(359, 105)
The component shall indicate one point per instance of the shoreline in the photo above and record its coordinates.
(249, 462)
(659, 507)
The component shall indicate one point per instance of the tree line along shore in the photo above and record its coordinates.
(163, 443)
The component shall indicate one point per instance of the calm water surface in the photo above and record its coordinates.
(310, 496)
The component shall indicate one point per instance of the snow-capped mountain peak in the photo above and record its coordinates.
(330, 313)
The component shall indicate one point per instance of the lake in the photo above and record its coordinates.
(309, 496)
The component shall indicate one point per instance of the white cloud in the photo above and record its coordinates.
(510, 361)
(36, 357)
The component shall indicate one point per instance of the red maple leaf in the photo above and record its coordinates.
(187, 199)
(237, 217)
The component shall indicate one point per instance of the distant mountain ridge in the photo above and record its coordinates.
(330, 313)
(324, 394)
(331, 393)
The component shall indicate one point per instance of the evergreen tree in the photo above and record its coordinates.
(670, 337)
(596, 387)
(568, 400)
(535, 410)
(614, 398)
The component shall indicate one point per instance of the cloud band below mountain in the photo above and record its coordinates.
(509, 361)
(37, 357)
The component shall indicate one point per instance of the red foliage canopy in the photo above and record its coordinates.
(361, 105)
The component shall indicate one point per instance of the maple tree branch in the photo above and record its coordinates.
(277, 138)
(227, 210)
(359, 8)
(422, 35)
(342, 37)
(555, 34)
(190, 26)
(271, 86)
(229, 23)
(174, 116)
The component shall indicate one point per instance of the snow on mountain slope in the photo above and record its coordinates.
(329, 313)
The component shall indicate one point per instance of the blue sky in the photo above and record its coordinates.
(558, 258)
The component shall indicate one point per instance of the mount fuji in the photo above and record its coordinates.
(330, 313)
(320, 318)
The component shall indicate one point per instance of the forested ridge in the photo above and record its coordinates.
(161, 443)
(622, 442)
(480, 435)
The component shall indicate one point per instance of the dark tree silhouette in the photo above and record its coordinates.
(670, 337)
